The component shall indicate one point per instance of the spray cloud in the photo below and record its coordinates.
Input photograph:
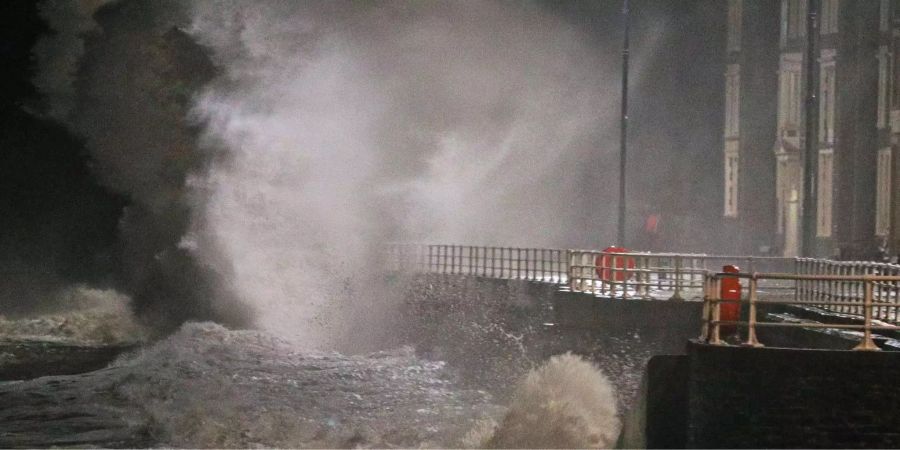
(270, 148)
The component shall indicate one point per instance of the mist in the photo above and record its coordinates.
(336, 129)
(269, 150)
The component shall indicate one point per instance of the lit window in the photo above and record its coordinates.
(824, 193)
(883, 193)
(788, 174)
(789, 95)
(731, 178)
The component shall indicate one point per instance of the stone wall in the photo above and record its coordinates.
(766, 397)
(493, 331)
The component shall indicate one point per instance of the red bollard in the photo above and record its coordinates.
(730, 289)
(606, 263)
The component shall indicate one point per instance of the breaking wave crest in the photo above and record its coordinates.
(565, 403)
(90, 317)
(207, 386)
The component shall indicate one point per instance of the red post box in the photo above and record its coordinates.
(730, 291)
(606, 263)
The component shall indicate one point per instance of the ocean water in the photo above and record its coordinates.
(482, 374)
(207, 386)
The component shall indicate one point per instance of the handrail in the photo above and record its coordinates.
(878, 307)
(645, 275)
(868, 290)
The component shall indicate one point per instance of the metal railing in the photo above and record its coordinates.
(877, 301)
(534, 264)
(645, 275)
(841, 295)
(676, 276)
(859, 290)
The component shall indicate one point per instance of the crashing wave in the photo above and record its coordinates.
(565, 403)
(88, 316)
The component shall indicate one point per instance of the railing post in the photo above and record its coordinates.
(867, 342)
(677, 294)
(646, 270)
(707, 296)
(716, 313)
(571, 270)
(751, 320)
(543, 264)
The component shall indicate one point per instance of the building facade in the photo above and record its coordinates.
(858, 129)
(751, 105)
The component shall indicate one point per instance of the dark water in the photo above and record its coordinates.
(457, 353)
(209, 386)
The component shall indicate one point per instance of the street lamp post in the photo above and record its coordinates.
(623, 148)
(811, 153)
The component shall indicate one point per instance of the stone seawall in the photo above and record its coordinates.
(770, 397)
(498, 329)
(742, 397)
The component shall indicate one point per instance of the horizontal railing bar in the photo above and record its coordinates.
(843, 326)
(788, 276)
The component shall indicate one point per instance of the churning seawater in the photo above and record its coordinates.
(208, 386)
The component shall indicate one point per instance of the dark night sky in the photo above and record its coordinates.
(57, 221)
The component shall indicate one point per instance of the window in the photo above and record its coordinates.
(883, 193)
(789, 92)
(830, 11)
(732, 100)
(796, 18)
(884, 61)
(788, 174)
(827, 98)
(734, 25)
(731, 178)
(824, 193)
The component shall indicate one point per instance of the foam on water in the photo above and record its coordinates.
(207, 386)
(85, 316)
(565, 403)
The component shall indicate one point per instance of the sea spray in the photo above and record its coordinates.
(83, 316)
(565, 403)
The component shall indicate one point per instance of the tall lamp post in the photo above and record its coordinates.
(811, 156)
(623, 148)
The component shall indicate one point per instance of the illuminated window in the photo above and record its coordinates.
(789, 92)
(883, 193)
(824, 193)
(731, 178)
(788, 176)
(732, 100)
